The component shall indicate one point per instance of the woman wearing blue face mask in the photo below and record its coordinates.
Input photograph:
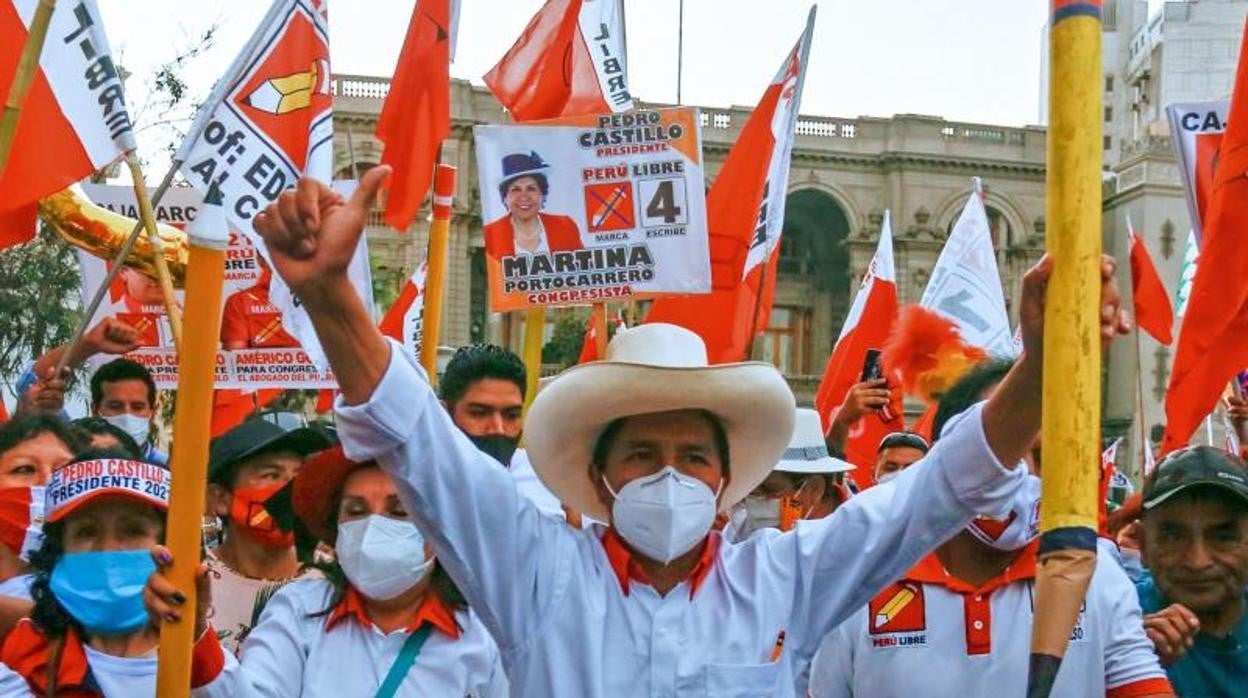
(89, 633)
(386, 621)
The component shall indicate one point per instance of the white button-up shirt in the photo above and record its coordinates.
(565, 624)
(297, 652)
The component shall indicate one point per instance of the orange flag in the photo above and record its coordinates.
(1213, 340)
(1153, 312)
(416, 116)
(570, 60)
(745, 214)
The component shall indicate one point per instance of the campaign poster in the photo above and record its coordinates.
(256, 350)
(594, 208)
(1196, 129)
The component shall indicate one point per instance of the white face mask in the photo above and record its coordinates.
(665, 514)
(1019, 527)
(381, 556)
(885, 477)
(139, 428)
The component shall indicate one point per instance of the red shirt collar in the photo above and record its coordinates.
(627, 569)
(432, 611)
(931, 571)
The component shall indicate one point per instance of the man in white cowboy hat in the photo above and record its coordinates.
(653, 441)
(807, 483)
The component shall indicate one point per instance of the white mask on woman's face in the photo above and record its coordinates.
(382, 557)
(664, 515)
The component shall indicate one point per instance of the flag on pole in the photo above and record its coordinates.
(966, 285)
(569, 60)
(867, 326)
(1213, 340)
(404, 321)
(74, 120)
(416, 115)
(745, 215)
(589, 348)
(1151, 302)
(1196, 130)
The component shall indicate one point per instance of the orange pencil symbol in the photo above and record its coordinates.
(608, 207)
(894, 606)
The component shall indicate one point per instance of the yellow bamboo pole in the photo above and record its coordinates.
(192, 423)
(600, 330)
(534, 324)
(148, 218)
(23, 77)
(1072, 351)
(435, 276)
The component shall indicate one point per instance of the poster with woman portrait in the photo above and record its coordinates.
(592, 209)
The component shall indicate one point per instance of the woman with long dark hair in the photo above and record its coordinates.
(386, 621)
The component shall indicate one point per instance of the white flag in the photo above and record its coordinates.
(966, 286)
(1196, 130)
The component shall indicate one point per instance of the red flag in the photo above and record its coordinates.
(230, 407)
(867, 326)
(1213, 340)
(1153, 312)
(74, 120)
(589, 348)
(745, 213)
(570, 60)
(416, 116)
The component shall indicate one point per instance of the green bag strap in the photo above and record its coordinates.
(403, 663)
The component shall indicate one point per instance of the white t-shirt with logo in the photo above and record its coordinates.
(931, 635)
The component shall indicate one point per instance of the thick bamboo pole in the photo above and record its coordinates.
(27, 65)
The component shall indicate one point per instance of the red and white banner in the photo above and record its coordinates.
(405, 320)
(1196, 129)
(966, 285)
(257, 350)
(867, 326)
(268, 122)
(74, 120)
(570, 60)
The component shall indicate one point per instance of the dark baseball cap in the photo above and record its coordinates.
(1195, 466)
(265, 433)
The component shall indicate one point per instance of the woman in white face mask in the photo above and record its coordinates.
(386, 621)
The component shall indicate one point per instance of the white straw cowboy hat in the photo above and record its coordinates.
(656, 368)
(808, 452)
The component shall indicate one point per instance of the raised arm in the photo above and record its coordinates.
(505, 556)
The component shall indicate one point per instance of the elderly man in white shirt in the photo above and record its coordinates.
(653, 441)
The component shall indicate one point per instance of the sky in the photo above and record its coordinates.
(967, 60)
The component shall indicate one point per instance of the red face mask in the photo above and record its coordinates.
(248, 513)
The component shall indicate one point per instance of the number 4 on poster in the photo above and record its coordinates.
(664, 201)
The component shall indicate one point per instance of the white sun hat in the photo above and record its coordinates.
(808, 452)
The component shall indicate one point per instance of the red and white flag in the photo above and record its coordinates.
(1153, 312)
(268, 122)
(745, 215)
(1109, 457)
(1196, 129)
(404, 322)
(867, 326)
(589, 347)
(966, 284)
(570, 60)
(74, 120)
(416, 116)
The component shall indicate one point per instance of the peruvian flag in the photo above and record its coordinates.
(74, 120)
(589, 348)
(1213, 339)
(966, 284)
(570, 60)
(867, 326)
(405, 319)
(1196, 128)
(1153, 312)
(745, 215)
(416, 115)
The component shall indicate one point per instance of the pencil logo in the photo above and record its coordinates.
(898, 609)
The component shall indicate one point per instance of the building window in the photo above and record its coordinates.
(784, 342)
(1109, 114)
(1109, 83)
(1107, 142)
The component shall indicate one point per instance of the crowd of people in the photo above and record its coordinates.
(654, 526)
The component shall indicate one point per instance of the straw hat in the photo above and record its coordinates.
(808, 452)
(656, 368)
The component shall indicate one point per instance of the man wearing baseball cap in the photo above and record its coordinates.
(1195, 547)
(653, 441)
(247, 465)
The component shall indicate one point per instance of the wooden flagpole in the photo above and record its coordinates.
(148, 218)
(1139, 400)
(192, 423)
(1072, 348)
(22, 79)
(600, 330)
(435, 276)
(534, 324)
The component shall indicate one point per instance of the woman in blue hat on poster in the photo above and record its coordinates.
(525, 229)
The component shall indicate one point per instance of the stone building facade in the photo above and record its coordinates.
(845, 174)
